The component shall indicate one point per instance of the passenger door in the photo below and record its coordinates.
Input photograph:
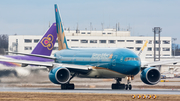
(114, 60)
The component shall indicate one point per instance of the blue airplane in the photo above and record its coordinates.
(114, 63)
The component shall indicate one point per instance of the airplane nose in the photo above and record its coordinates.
(136, 66)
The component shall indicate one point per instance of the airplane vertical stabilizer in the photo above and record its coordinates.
(46, 44)
(143, 51)
(60, 31)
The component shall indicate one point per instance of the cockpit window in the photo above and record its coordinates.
(131, 59)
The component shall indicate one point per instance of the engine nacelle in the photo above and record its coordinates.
(59, 75)
(150, 76)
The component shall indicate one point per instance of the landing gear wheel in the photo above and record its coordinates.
(67, 86)
(114, 86)
(130, 87)
(118, 86)
(126, 87)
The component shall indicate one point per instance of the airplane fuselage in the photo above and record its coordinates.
(106, 62)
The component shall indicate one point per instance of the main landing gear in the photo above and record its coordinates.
(118, 85)
(68, 85)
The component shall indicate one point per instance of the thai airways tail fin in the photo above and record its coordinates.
(46, 44)
(62, 43)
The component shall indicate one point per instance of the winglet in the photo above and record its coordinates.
(62, 44)
(142, 48)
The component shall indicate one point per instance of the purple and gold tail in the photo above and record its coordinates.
(46, 44)
(62, 44)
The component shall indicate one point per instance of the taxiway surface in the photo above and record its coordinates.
(103, 91)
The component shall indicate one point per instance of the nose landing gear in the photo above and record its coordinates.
(128, 85)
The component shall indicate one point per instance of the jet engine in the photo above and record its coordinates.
(150, 76)
(59, 75)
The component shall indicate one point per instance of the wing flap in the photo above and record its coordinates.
(72, 66)
(75, 68)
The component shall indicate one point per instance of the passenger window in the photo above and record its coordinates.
(131, 59)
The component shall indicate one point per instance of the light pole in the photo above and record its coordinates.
(174, 39)
(157, 31)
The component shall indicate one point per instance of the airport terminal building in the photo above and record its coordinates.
(108, 38)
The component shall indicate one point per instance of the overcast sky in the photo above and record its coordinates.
(33, 16)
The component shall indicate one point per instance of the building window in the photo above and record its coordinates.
(139, 41)
(150, 41)
(84, 41)
(157, 42)
(166, 42)
(88, 32)
(157, 49)
(103, 33)
(138, 48)
(130, 47)
(93, 41)
(55, 48)
(67, 39)
(74, 46)
(112, 41)
(166, 55)
(120, 40)
(148, 54)
(36, 40)
(166, 49)
(102, 41)
(109, 33)
(27, 48)
(149, 49)
(83, 32)
(74, 40)
(129, 40)
(28, 40)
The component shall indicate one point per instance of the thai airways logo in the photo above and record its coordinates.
(47, 42)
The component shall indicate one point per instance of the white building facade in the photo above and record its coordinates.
(109, 38)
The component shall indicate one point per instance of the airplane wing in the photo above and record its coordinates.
(47, 64)
(157, 63)
(36, 55)
(50, 65)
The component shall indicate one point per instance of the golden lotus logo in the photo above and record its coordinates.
(47, 42)
(110, 56)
